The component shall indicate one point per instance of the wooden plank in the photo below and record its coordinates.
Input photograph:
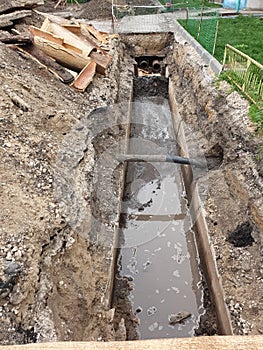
(7, 5)
(69, 38)
(50, 64)
(102, 61)
(45, 35)
(85, 77)
(8, 19)
(61, 54)
(17, 39)
(93, 31)
(198, 343)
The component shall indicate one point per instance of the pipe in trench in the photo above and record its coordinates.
(144, 64)
(159, 158)
(156, 66)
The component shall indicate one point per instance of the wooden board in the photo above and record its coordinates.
(102, 61)
(7, 20)
(11, 5)
(85, 77)
(50, 64)
(69, 38)
(198, 343)
(61, 54)
(17, 39)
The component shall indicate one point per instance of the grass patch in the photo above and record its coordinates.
(244, 33)
(256, 115)
(189, 3)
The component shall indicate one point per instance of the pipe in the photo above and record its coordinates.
(159, 158)
(156, 66)
(144, 64)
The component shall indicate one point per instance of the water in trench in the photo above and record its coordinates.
(158, 251)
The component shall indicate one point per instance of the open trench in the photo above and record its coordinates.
(163, 285)
(158, 252)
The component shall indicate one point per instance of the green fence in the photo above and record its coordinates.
(202, 24)
(245, 73)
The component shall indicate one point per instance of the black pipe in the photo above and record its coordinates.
(159, 158)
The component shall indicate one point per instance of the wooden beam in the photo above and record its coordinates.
(8, 19)
(85, 77)
(68, 37)
(17, 39)
(50, 64)
(61, 54)
(102, 61)
(198, 343)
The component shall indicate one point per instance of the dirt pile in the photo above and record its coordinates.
(96, 9)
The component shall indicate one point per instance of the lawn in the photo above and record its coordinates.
(188, 3)
(245, 33)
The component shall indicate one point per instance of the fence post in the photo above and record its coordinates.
(201, 18)
(214, 47)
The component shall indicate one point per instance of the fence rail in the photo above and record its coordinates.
(245, 73)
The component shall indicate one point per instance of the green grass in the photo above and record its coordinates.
(189, 3)
(244, 33)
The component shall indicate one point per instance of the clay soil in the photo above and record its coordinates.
(54, 263)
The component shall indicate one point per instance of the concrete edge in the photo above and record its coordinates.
(212, 62)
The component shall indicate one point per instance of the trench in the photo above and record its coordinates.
(158, 252)
(166, 281)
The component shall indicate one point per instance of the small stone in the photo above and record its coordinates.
(12, 269)
(179, 317)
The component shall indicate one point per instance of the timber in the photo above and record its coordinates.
(85, 77)
(253, 342)
(8, 19)
(50, 64)
(17, 39)
(65, 56)
(102, 61)
(11, 5)
(68, 37)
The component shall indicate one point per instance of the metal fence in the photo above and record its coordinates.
(245, 73)
(202, 24)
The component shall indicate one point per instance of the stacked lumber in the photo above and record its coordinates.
(11, 11)
(73, 52)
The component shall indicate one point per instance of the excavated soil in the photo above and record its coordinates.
(54, 269)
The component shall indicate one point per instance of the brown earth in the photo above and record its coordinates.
(54, 262)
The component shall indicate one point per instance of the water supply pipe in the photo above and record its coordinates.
(159, 158)
(156, 66)
(144, 64)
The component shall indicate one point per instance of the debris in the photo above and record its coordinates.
(7, 20)
(179, 317)
(8, 6)
(85, 77)
(19, 102)
(17, 39)
(37, 55)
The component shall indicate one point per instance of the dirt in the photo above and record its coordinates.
(54, 263)
(218, 119)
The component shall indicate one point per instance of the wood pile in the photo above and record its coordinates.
(73, 51)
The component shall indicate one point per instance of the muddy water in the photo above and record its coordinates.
(158, 250)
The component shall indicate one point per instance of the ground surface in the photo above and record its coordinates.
(54, 274)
